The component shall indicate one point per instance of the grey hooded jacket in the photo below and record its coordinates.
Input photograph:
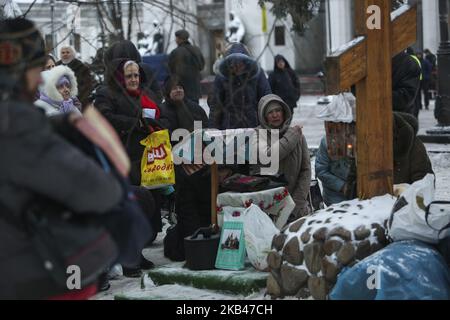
(294, 158)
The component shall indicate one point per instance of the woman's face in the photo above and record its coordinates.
(177, 93)
(64, 90)
(275, 118)
(281, 64)
(49, 64)
(131, 74)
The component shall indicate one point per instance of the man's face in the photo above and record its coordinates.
(33, 79)
(66, 55)
(275, 118)
(177, 93)
(178, 40)
(131, 74)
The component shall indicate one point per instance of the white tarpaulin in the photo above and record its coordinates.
(341, 109)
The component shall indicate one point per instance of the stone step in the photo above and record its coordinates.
(243, 282)
(435, 138)
(173, 292)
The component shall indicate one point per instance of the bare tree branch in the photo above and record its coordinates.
(28, 10)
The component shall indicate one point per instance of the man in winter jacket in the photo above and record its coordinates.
(294, 159)
(85, 80)
(284, 82)
(411, 161)
(238, 87)
(37, 162)
(427, 69)
(186, 62)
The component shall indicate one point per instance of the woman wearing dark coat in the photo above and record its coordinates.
(192, 202)
(127, 105)
(284, 82)
(177, 111)
(124, 109)
(238, 87)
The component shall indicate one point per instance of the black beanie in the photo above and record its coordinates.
(21, 45)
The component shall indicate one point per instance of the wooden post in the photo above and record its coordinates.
(366, 62)
(374, 131)
(214, 192)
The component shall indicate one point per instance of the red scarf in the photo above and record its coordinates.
(146, 102)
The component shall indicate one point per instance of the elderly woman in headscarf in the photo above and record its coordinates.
(58, 93)
(128, 107)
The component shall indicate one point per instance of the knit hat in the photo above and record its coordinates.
(182, 34)
(271, 106)
(63, 80)
(21, 46)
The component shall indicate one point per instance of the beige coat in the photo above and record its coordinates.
(294, 157)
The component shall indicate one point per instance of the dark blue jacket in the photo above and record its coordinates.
(234, 103)
(332, 175)
(427, 68)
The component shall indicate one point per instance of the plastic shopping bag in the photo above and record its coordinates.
(408, 222)
(258, 231)
(157, 169)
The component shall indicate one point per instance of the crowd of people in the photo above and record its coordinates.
(55, 154)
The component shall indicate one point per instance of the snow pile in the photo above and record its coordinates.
(309, 253)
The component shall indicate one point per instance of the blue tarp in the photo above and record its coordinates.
(404, 270)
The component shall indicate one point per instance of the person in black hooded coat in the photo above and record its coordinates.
(238, 87)
(411, 161)
(177, 111)
(284, 82)
(405, 82)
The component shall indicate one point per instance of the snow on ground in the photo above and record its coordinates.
(314, 130)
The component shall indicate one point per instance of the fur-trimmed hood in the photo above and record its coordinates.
(51, 77)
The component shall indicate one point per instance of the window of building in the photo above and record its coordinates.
(280, 36)
(75, 41)
(49, 42)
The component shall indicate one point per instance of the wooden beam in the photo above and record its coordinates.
(360, 7)
(346, 66)
(404, 30)
(214, 192)
(374, 112)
